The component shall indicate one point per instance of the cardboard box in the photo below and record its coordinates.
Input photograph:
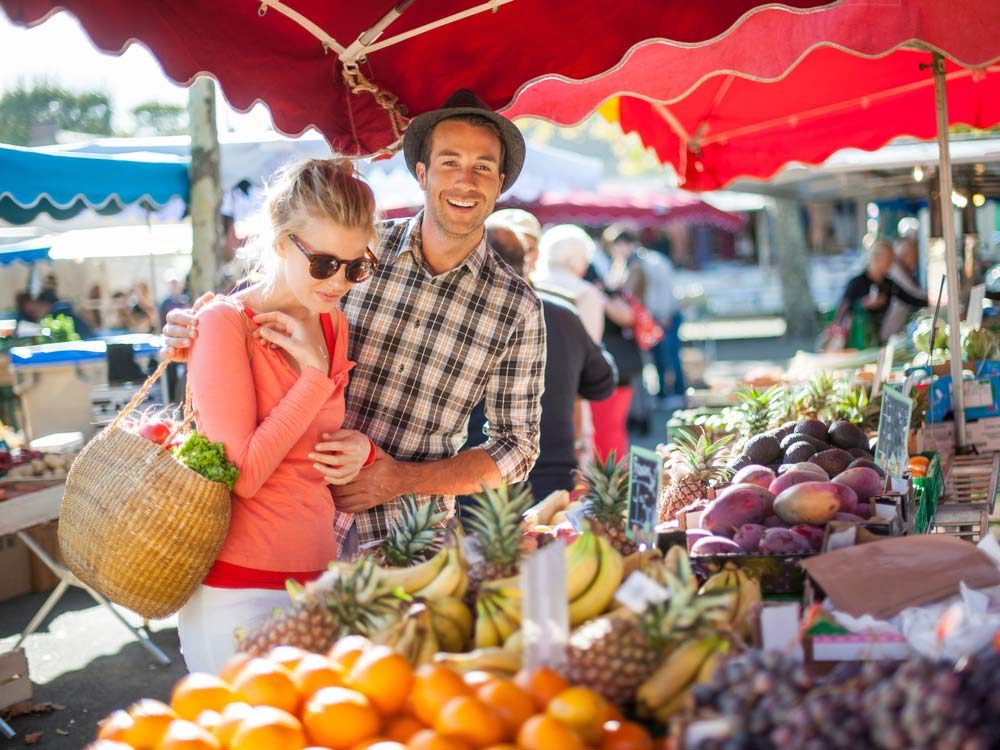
(46, 534)
(16, 566)
(15, 684)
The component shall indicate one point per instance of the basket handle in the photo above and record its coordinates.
(141, 394)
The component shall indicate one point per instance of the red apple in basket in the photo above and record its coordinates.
(156, 430)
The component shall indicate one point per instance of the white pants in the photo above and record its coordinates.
(206, 624)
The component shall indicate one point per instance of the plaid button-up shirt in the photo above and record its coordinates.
(429, 348)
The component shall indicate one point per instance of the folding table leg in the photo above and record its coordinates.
(42, 613)
(144, 640)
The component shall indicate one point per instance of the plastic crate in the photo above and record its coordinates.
(928, 490)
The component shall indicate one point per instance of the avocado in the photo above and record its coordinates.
(738, 462)
(799, 451)
(845, 435)
(867, 464)
(832, 461)
(763, 449)
(801, 437)
(860, 452)
(813, 427)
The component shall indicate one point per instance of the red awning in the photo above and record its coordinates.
(645, 209)
(286, 52)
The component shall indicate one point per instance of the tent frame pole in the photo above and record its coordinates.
(951, 256)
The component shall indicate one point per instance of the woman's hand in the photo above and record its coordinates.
(282, 330)
(340, 457)
(181, 329)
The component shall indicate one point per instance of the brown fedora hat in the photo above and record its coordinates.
(464, 102)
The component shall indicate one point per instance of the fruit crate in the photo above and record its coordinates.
(928, 491)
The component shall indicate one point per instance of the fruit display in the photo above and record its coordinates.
(693, 467)
(764, 701)
(360, 694)
(22, 463)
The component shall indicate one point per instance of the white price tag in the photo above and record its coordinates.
(639, 591)
(974, 315)
(545, 608)
(978, 392)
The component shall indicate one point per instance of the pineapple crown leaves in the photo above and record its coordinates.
(701, 456)
(856, 406)
(607, 489)
(760, 410)
(495, 518)
(819, 395)
(416, 531)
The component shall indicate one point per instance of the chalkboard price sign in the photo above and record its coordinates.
(645, 477)
(893, 433)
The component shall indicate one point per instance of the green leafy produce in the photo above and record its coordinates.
(979, 344)
(200, 454)
(59, 328)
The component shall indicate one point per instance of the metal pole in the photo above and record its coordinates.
(951, 257)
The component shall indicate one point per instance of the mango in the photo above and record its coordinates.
(812, 503)
(762, 476)
(715, 545)
(736, 505)
(865, 482)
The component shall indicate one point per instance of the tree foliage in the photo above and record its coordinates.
(159, 118)
(43, 103)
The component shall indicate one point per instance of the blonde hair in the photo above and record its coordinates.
(326, 188)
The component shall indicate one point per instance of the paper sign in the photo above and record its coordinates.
(974, 316)
(978, 392)
(779, 629)
(645, 477)
(545, 608)
(639, 591)
(892, 453)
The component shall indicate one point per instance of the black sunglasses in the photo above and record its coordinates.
(326, 266)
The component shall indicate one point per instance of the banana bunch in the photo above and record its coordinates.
(498, 613)
(502, 662)
(594, 571)
(452, 622)
(746, 595)
(691, 663)
(444, 575)
(412, 635)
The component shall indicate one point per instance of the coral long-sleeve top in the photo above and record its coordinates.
(269, 417)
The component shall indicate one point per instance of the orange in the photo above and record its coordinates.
(502, 746)
(581, 709)
(478, 677)
(427, 739)
(115, 727)
(380, 743)
(286, 656)
(150, 721)
(197, 692)
(920, 461)
(233, 666)
(186, 735)
(402, 728)
(210, 720)
(348, 649)
(316, 671)
(509, 702)
(542, 732)
(264, 683)
(108, 745)
(340, 718)
(383, 675)
(542, 685)
(625, 735)
(433, 686)
(229, 721)
(266, 728)
(470, 719)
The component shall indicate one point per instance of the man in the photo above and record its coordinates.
(872, 290)
(905, 273)
(443, 324)
(575, 366)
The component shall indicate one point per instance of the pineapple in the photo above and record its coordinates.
(856, 407)
(617, 652)
(495, 518)
(817, 398)
(346, 599)
(606, 497)
(759, 410)
(696, 464)
(416, 534)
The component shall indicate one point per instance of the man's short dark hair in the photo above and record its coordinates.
(475, 120)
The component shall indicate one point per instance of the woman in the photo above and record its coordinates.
(267, 371)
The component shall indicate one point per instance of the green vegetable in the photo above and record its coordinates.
(200, 454)
(59, 328)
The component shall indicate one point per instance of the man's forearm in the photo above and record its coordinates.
(459, 475)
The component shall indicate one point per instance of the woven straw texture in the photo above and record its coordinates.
(137, 525)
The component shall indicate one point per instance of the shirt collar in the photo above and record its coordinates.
(412, 242)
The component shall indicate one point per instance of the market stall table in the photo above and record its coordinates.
(17, 516)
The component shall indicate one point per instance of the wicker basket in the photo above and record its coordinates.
(136, 524)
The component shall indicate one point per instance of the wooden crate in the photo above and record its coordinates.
(15, 684)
